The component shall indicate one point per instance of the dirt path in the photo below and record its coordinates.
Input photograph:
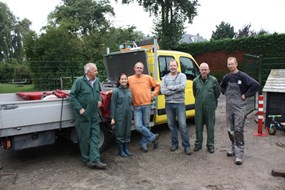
(59, 166)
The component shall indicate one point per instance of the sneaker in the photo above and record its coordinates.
(173, 148)
(155, 141)
(238, 161)
(230, 154)
(187, 151)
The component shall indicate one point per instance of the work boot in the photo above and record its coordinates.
(126, 150)
(155, 141)
(121, 151)
(238, 161)
(230, 153)
(96, 165)
(197, 148)
(211, 149)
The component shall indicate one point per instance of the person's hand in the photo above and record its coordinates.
(81, 111)
(243, 97)
(110, 92)
(113, 122)
(99, 104)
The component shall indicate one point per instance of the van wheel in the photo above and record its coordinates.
(105, 137)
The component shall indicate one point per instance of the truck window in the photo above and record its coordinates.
(163, 65)
(189, 68)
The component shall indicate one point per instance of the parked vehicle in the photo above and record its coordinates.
(27, 120)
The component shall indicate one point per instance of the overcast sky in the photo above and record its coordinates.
(266, 15)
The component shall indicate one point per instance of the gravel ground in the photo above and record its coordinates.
(59, 166)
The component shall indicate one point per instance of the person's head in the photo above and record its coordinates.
(173, 66)
(123, 80)
(232, 64)
(204, 70)
(90, 70)
(138, 68)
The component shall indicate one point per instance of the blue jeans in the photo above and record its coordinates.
(177, 111)
(142, 119)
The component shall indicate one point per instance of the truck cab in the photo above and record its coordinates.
(156, 65)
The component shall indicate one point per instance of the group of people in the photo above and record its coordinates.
(134, 95)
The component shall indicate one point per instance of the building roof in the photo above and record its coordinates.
(275, 81)
(190, 38)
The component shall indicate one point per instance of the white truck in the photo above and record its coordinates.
(28, 121)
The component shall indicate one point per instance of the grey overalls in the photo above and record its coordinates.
(235, 112)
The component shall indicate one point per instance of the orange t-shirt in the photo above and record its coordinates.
(140, 87)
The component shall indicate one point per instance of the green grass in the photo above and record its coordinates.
(12, 88)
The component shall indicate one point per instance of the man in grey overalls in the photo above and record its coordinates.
(237, 86)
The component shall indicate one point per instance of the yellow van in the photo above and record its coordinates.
(156, 64)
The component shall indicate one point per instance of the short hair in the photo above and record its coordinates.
(233, 58)
(173, 60)
(88, 66)
(206, 64)
(139, 63)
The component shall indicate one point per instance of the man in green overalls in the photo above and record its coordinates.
(85, 99)
(206, 90)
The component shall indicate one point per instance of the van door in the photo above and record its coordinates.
(189, 67)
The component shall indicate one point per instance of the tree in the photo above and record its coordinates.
(85, 19)
(169, 33)
(118, 36)
(12, 34)
(54, 56)
(244, 32)
(223, 31)
(77, 33)
(262, 32)
(171, 15)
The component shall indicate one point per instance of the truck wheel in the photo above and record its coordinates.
(271, 130)
(105, 137)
